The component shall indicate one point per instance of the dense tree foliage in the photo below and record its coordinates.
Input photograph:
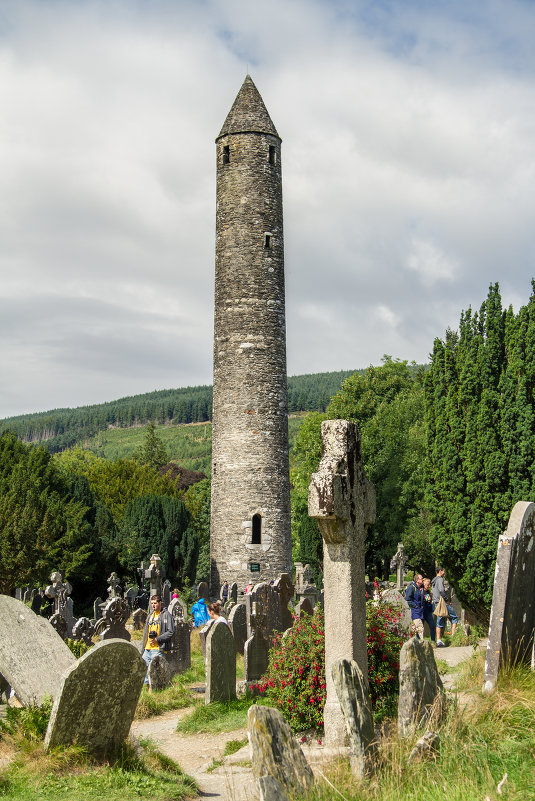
(479, 399)
(47, 520)
(387, 404)
(152, 452)
(64, 428)
(197, 501)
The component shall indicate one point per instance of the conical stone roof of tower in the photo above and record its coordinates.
(248, 113)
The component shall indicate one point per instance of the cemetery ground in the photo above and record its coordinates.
(482, 741)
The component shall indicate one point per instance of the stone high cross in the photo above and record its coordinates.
(114, 590)
(342, 500)
(399, 559)
(58, 591)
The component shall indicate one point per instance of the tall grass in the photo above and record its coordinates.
(480, 742)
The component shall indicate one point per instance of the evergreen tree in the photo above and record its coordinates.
(152, 452)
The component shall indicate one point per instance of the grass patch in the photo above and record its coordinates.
(479, 745)
(70, 772)
(231, 746)
(176, 696)
(216, 718)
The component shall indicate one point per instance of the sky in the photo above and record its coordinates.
(408, 162)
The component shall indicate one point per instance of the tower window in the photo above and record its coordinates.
(272, 154)
(256, 538)
(226, 154)
(268, 242)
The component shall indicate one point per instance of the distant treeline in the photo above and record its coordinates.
(62, 428)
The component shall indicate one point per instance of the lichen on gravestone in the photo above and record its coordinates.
(354, 696)
(421, 693)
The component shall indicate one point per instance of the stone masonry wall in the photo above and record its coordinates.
(250, 469)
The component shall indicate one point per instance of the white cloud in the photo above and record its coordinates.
(408, 166)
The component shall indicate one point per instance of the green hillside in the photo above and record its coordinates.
(63, 428)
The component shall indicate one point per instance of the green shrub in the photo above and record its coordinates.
(295, 679)
(78, 647)
(28, 721)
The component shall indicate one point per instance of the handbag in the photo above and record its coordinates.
(441, 609)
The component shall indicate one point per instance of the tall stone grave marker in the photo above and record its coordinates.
(354, 695)
(342, 500)
(420, 686)
(237, 620)
(59, 591)
(284, 586)
(114, 588)
(32, 656)
(512, 616)
(220, 664)
(203, 591)
(97, 698)
(400, 559)
(264, 616)
(178, 654)
(233, 594)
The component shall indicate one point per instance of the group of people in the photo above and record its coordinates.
(423, 597)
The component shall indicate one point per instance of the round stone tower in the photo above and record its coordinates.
(250, 536)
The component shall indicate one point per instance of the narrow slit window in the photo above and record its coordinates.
(257, 530)
(272, 154)
(226, 154)
(267, 242)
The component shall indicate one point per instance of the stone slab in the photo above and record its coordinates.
(97, 698)
(33, 657)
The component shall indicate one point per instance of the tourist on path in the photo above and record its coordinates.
(414, 595)
(428, 608)
(439, 591)
(158, 631)
(199, 610)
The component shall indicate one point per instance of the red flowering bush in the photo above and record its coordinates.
(295, 679)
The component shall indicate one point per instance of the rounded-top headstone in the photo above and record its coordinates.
(97, 698)
(24, 636)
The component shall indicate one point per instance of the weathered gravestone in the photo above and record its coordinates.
(342, 500)
(264, 617)
(59, 591)
(37, 602)
(112, 624)
(97, 608)
(203, 591)
(512, 616)
(304, 607)
(114, 589)
(421, 694)
(396, 599)
(275, 752)
(159, 673)
(32, 656)
(238, 625)
(83, 630)
(284, 586)
(130, 596)
(178, 652)
(97, 697)
(166, 593)
(233, 592)
(220, 664)
(59, 624)
(139, 618)
(354, 696)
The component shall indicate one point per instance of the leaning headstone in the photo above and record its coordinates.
(112, 626)
(395, 598)
(32, 656)
(342, 500)
(96, 701)
(238, 625)
(512, 615)
(304, 607)
(354, 696)
(420, 686)
(139, 618)
(159, 673)
(220, 664)
(275, 752)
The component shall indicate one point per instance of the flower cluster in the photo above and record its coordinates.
(295, 679)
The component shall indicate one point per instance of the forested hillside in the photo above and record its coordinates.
(63, 428)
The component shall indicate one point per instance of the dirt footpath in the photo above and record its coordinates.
(195, 753)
